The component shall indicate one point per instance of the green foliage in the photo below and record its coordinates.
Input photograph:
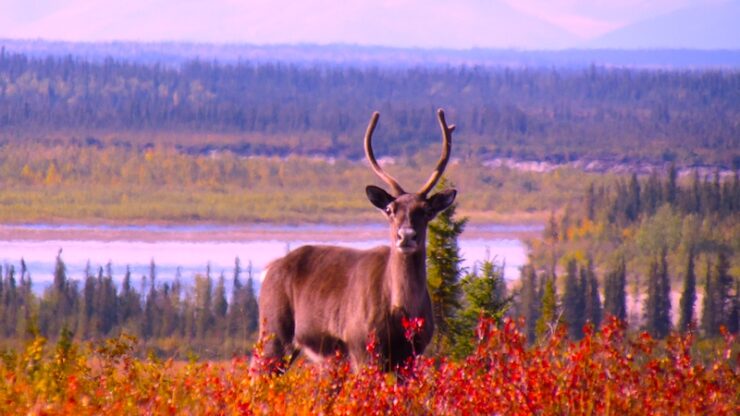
(688, 295)
(657, 308)
(169, 320)
(444, 271)
(592, 301)
(615, 294)
(651, 226)
(659, 231)
(574, 301)
(550, 315)
(719, 302)
(530, 300)
(484, 297)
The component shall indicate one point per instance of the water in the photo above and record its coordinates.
(189, 249)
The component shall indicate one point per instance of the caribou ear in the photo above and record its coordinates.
(441, 201)
(378, 196)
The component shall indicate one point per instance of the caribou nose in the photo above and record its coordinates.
(406, 233)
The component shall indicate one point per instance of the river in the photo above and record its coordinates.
(190, 249)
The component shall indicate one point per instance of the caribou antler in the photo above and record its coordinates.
(445, 157)
(371, 157)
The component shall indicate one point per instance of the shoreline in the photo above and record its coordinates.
(216, 232)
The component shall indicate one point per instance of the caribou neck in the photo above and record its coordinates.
(408, 279)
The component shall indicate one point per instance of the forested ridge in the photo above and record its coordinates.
(690, 117)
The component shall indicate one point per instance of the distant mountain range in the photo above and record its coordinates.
(176, 53)
(709, 26)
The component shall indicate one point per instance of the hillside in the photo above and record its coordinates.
(687, 117)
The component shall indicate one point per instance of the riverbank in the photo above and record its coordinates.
(195, 232)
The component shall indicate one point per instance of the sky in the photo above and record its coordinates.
(457, 24)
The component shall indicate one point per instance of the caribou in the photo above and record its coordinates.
(322, 300)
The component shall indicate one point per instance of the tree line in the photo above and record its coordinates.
(170, 318)
(554, 114)
(657, 237)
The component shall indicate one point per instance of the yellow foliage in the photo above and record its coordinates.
(149, 155)
(587, 228)
(28, 174)
(53, 177)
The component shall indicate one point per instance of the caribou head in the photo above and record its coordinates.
(323, 299)
(409, 213)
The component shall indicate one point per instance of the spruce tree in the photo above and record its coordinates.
(615, 291)
(573, 301)
(529, 301)
(709, 318)
(86, 311)
(665, 288)
(724, 286)
(549, 314)
(130, 305)
(633, 203)
(658, 304)
(203, 312)
(733, 320)
(592, 310)
(671, 186)
(484, 297)
(220, 306)
(251, 307)
(444, 270)
(688, 295)
(236, 311)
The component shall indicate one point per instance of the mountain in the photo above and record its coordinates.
(711, 26)
(176, 53)
(405, 24)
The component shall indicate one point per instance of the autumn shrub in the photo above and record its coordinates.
(607, 372)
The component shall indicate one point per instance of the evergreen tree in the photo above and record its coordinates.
(665, 288)
(203, 313)
(633, 199)
(592, 310)
(58, 306)
(484, 297)
(150, 327)
(167, 305)
(688, 295)
(573, 301)
(85, 324)
(530, 301)
(671, 187)
(709, 315)
(251, 307)
(130, 304)
(220, 306)
(590, 202)
(733, 320)
(444, 270)
(658, 303)
(724, 288)
(549, 314)
(235, 314)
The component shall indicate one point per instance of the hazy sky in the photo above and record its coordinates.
(423, 23)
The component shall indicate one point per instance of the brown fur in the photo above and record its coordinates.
(324, 299)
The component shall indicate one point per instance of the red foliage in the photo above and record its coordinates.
(607, 372)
